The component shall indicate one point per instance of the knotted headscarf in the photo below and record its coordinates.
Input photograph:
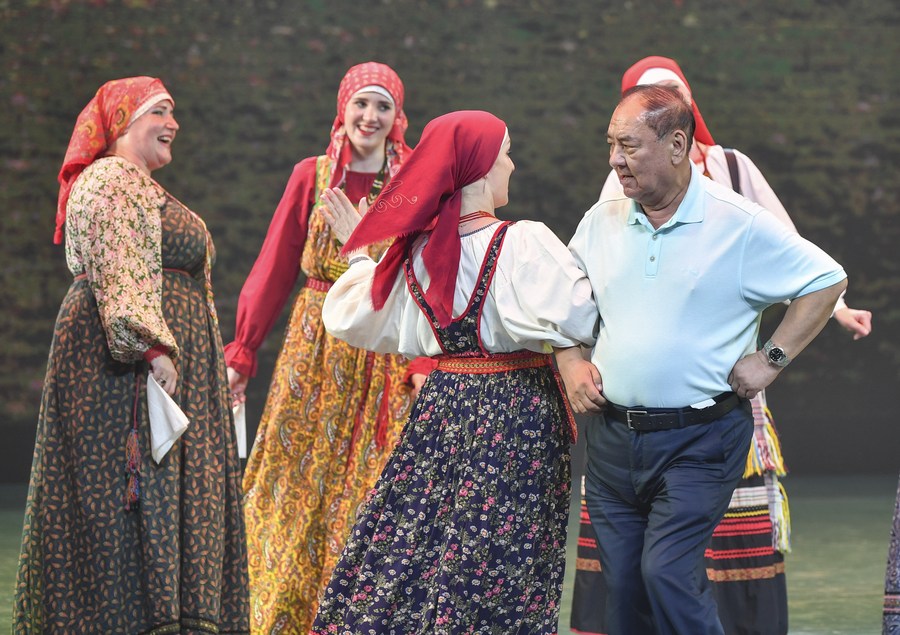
(455, 150)
(362, 76)
(106, 117)
(638, 74)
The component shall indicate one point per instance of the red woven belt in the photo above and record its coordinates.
(498, 363)
(318, 285)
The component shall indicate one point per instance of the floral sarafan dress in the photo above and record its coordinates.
(465, 531)
(160, 548)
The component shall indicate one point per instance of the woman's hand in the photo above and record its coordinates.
(857, 322)
(417, 380)
(163, 371)
(340, 214)
(237, 384)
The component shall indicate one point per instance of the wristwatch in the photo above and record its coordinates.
(776, 355)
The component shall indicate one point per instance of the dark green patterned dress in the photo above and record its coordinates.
(175, 563)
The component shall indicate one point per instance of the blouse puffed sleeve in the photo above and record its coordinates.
(113, 235)
(541, 293)
(348, 313)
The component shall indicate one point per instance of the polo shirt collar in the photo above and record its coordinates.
(690, 210)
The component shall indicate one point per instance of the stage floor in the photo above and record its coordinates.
(835, 574)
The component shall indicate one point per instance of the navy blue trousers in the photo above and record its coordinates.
(654, 499)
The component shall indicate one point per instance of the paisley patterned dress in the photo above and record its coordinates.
(175, 562)
(465, 530)
(332, 416)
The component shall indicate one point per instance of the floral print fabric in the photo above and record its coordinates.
(113, 236)
(465, 530)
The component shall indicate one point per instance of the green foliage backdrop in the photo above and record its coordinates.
(807, 88)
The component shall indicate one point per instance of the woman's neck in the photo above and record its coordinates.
(475, 198)
(370, 162)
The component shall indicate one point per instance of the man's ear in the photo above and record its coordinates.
(680, 146)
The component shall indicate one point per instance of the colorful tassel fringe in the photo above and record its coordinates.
(781, 521)
(765, 450)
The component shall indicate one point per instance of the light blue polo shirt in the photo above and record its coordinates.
(680, 305)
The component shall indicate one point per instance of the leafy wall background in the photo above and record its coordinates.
(808, 89)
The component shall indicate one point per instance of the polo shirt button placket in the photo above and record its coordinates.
(652, 266)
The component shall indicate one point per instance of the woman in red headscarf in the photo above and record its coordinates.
(745, 559)
(465, 530)
(119, 538)
(333, 412)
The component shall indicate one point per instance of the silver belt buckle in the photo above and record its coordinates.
(628, 414)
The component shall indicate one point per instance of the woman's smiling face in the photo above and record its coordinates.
(368, 118)
(148, 140)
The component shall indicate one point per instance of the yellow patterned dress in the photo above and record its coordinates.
(332, 416)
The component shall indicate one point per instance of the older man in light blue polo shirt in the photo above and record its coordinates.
(681, 270)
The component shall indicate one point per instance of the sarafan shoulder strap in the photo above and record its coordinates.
(731, 158)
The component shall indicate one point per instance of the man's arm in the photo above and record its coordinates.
(802, 321)
(582, 380)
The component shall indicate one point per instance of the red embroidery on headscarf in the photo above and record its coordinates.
(455, 150)
(102, 121)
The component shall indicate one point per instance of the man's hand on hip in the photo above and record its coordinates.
(752, 374)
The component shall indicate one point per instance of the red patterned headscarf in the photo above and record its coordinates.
(633, 75)
(105, 118)
(455, 150)
(360, 76)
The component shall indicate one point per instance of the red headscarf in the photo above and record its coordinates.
(360, 76)
(455, 150)
(633, 74)
(105, 118)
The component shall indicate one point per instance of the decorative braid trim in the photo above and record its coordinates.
(187, 622)
(892, 603)
(318, 285)
(164, 630)
(200, 624)
(492, 364)
(587, 564)
(740, 575)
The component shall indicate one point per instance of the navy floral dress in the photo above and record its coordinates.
(465, 530)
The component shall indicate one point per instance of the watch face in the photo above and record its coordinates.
(776, 355)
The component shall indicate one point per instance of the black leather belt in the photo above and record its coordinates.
(650, 419)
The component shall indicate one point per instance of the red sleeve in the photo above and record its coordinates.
(420, 365)
(275, 271)
(152, 353)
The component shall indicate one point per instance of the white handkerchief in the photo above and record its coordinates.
(240, 428)
(167, 421)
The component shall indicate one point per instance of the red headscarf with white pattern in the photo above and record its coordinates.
(360, 76)
(106, 118)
